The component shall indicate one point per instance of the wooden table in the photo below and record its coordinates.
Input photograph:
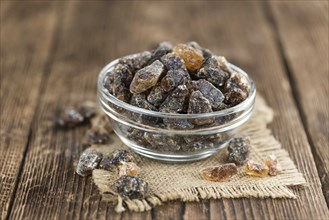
(52, 52)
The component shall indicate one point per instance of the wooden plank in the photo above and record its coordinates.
(49, 187)
(303, 30)
(26, 38)
(247, 40)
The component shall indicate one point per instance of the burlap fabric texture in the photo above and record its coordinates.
(169, 182)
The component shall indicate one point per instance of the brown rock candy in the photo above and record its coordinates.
(97, 135)
(173, 62)
(163, 142)
(121, 80)
(121, 155)
(146, 78)
(192, 57)
(219, 173)
(157, 95)
(224, 64)
(199, 104)
(69, 117)
(274, 168)
(140, 101)
(102, 120)
(253, 168)
(128, 169)
(137, 62)
(108, 81)
(210, 92)
(160, 51)
(174, 78)
(238, 150)
(116, 158)
(87, 108)
(176, 102)
(107, 164)
(89, 160)
(205, 52)
(131, 187)
(75, 115)
(236, 90)
(212, 71)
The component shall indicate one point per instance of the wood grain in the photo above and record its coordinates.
(305, 49)
(91, 35)
(248, 41)
(23, 63)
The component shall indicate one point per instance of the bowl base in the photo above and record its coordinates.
(180, 157)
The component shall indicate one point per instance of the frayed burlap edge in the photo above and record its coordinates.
(263, 143)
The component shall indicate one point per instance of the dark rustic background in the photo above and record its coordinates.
(51, 53)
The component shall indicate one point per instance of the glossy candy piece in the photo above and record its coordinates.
(198, 104)
(89, 160)
(157, 95)
(128, 169)
(122, 77)
(219, 173)
(238, 150)
(131, 187)
(137, 62)
(212, 71)
(274, 167)
(146, 78)
(176, 102)
(160, 51)
(174, 78)
(236, 90)
(210, 92)
(253, 168)
(192, 57)
(173, 62)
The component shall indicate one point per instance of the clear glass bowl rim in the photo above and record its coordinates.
(103, 92)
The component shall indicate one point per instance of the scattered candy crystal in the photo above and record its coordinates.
(253, 168)
(97, 135)
(219, 173)
(128, 169)
(238, 150)
(274, 168)
(69, 117)
(89, 160)
(131, 187)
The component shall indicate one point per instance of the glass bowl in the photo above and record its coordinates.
(146, 132)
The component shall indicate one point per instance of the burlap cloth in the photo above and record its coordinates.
(182, 181)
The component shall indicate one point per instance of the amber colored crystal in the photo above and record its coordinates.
(219, 173)
(128, 169)
(192, 57)
(253, 168)
(274, 168)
